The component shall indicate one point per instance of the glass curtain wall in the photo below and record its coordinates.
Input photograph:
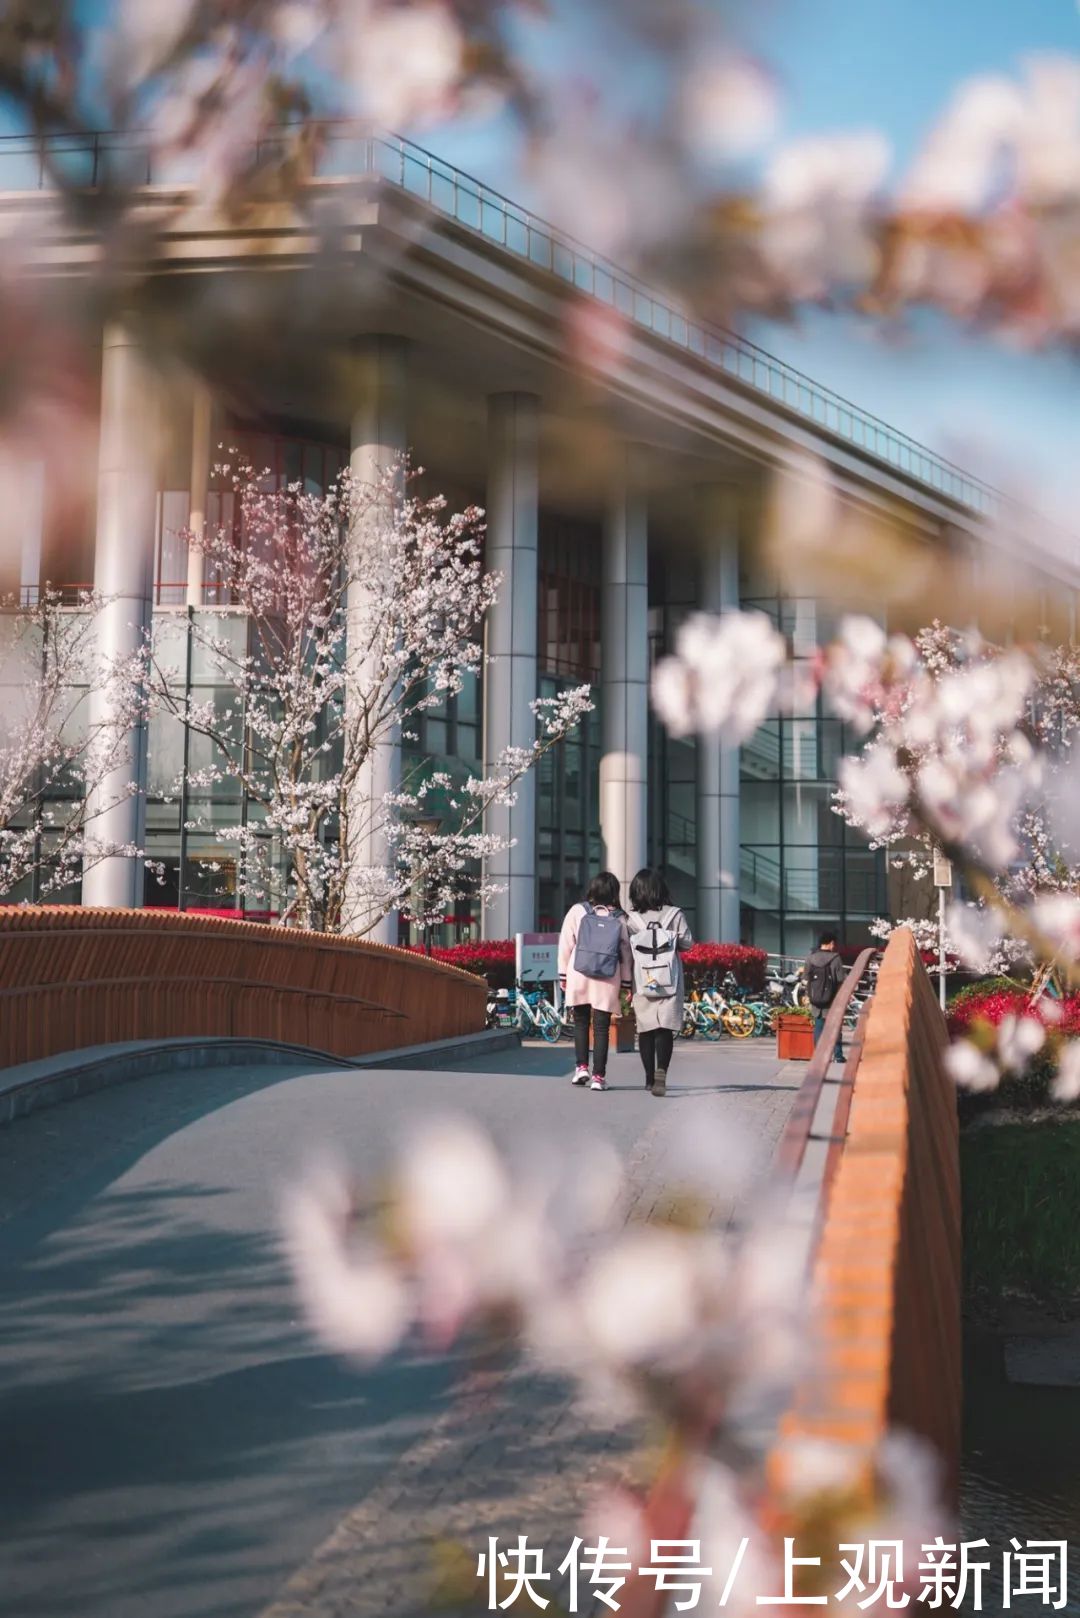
(568, 811)
(802, 867)
(192, 863)
(672, 760)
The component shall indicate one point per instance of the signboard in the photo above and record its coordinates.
(942, 871)
(537, 957)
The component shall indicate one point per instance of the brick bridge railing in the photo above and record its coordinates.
(886, 1269)
(72, 977)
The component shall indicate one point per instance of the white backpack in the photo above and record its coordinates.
(653, 947)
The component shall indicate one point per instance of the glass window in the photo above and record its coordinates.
(809, 816)
(468, 699)
(801, 761)
(760, 812)
(165, 756)
(230, 627)
(759, 882)
(759, 758)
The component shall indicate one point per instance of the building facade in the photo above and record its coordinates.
(622, 475)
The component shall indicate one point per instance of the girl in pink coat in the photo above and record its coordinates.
(595, 1000)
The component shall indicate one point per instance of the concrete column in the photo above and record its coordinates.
(200, 485)
(624, 650)
(378, 440)
(718, 845)
(510, 679)
(123, 572)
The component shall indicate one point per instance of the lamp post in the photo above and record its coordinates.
(942, 882)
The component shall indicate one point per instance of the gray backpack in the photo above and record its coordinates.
(653, 945)
(599, 937)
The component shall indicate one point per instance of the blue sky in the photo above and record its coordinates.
(891, 64)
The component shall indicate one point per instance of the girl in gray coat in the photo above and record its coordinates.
(658, 973)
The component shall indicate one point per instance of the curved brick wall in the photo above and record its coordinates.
(887, 1270)
(73, 977)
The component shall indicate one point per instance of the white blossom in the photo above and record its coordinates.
(974, 933)
(875, 789)
(403, 63)
(352, 1295)
(970, 1068)
(723, 677)
(1057, 917)
(453, 1186)
(817, 201)
(1066, 1085)
(862, 668)
(1019, 1039)
(728, 105)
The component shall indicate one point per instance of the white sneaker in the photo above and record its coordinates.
(581, 1076)
(598, 1082)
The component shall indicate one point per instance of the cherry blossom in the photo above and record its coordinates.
(351, 1293)
(729, 105)
(724, 676)
(50, 743)
(403, 63)
(816, 202)
(363, 609)
(875, 791)
(866, 670)
(1066, 1085)
(971, 1068)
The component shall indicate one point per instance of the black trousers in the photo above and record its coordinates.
(601, 1029)
(656, 1047)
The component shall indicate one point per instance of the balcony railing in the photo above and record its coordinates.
(344, 151)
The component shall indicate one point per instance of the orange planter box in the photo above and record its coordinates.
(626, 1034)
(794, 1039)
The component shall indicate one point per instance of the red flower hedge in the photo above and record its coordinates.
(495, 960)
(993, 1002)
(744, 961)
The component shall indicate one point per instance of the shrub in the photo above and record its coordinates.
(495, 959)
(995, 998)
(744, 961)
(986, 1003)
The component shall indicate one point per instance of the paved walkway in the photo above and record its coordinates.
(173, 1445)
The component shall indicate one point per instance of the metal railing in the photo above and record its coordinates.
(344, 151)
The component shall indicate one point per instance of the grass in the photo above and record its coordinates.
(1021, 1196)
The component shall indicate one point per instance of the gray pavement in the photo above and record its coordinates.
(173, 1444)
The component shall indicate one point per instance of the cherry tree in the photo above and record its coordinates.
(58, 758)
(967, 751)
(995, 703)
(362, 609)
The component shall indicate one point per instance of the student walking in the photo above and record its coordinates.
(825, 972)
(594, 966)
(658, 935)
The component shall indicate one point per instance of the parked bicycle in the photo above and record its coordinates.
(712, 1014)
(529, 1010)
(736, 1017)
(700, 1017)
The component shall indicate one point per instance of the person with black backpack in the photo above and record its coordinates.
(658, 935)
(824, 971)
(594, 968)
